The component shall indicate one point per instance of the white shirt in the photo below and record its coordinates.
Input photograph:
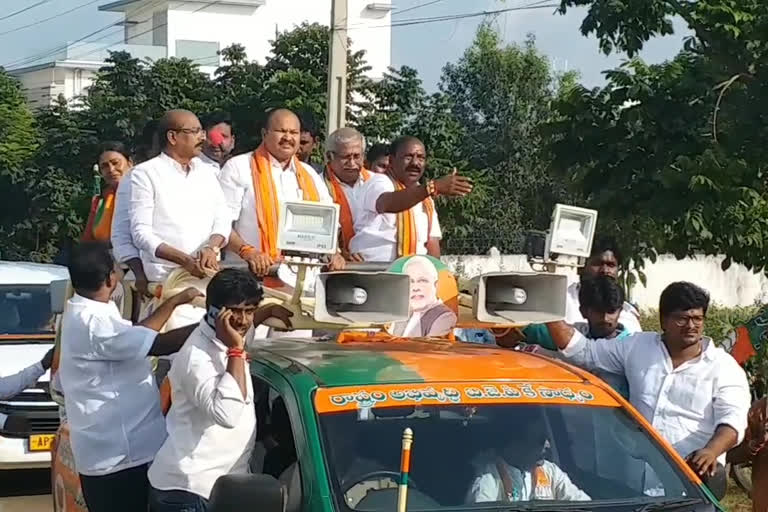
(554, 484)
(212, 164)
(181, 209)
(629, 316)
(12, 385)
(376, 233)
(122, 242)
(684, 404)
(211, 427)
(237, 185)
(110, 394)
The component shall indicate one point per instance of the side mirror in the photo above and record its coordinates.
(235, 493)
(717, 483)
(60, 291)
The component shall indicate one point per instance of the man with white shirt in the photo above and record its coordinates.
(397, 214)
(178, 214)
(123, 248)
(112, 402)
(255, 183)
(692, 392)
(219, 140)
(212, 422)
(345, 176)
(605, 260)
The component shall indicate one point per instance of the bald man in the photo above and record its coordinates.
(345, 152)
(178, 214)
(274, 174)
(397, 214)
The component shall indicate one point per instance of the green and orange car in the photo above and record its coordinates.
(331, 417)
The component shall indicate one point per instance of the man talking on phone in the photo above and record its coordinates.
(212, 422)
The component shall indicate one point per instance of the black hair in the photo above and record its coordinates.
(233, 286)
(602, 294)
(149, 132)
(682, 296)
(117, 147)
(377, 151)
(90, 264)
(218, 117)
(308, 124)
(604, 244)
(402, 141)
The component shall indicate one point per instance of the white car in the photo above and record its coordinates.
(27, 332)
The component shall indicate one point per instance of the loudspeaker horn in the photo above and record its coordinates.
(361, 297)
(519, 297)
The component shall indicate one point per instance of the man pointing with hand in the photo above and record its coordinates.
(396, 211)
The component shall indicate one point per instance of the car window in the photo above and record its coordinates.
(473, 456)
(25, 309)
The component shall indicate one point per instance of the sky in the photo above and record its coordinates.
(426, 47)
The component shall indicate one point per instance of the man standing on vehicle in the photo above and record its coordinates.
(692, 392)
(345, 176)
(212, 422)
(397, 214)
(605, 260)
(255, 183)
(112, 402)
(178, 214)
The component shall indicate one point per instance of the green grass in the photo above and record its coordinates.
(736, 500)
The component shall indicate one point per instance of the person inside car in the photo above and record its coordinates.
(520, 472)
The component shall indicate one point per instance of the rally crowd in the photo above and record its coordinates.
(190, 202)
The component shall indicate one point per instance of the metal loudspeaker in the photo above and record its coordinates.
(519, 297)
(361, 297)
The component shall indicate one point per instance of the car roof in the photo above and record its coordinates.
(363, 363)
(28, 273)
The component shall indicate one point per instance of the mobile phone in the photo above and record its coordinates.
(210, 316)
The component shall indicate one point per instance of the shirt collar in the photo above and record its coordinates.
(208, 160)
(79, 299)
(176, 165)
(275, 164)
(208, 332)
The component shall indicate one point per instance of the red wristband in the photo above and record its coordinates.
(236, 352)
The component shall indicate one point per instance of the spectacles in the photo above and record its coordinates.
(190, 131)
(682, 321)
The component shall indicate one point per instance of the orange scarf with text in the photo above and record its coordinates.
(340, 198)
(267, 209)
(406, 224)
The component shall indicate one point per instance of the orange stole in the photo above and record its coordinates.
(340, 198)
(406, 225)
(267, 210)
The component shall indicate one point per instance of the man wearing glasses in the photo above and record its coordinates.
(692, 392)
(178, 214)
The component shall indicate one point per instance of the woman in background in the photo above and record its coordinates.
(114, 162)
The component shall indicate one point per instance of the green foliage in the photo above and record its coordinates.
(673, 155)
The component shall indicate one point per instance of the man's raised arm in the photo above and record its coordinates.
(607, 355)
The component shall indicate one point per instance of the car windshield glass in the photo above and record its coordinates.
(481, 456)
(25, 309)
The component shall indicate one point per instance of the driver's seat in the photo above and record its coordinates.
(291, 482)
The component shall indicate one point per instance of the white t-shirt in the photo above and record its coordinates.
(110, 394)
(629, 316)
(211, 427)
(376, 233)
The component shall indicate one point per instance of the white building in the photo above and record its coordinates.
(198, 29)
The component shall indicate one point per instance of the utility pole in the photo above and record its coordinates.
(337, 67)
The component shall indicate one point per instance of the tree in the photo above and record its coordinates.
(674, 155)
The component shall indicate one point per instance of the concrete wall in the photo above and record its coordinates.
(735, 287)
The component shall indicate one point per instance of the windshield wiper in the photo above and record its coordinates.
(668, 504)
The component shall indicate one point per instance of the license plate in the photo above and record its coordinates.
(41, 442)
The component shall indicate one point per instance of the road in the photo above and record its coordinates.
(25, 491)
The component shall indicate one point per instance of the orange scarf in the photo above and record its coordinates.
(340, 198)
(267, 210)
(406, 224)
(99, 226)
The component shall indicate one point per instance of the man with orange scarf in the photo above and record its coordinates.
(396, 212)
(255, 183)
(345, 175)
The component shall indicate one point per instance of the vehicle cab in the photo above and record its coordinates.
(27, 332)
(332, 416)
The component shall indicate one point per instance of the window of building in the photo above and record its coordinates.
(202, 53)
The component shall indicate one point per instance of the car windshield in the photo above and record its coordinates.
(472, 456)
(25, 309)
